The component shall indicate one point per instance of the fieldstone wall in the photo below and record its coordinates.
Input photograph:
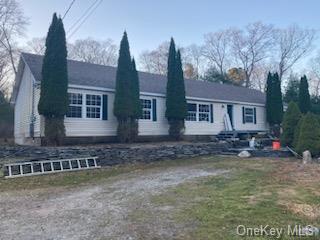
(113, 154)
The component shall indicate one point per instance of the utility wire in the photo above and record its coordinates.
(68, 9)
(76, 25)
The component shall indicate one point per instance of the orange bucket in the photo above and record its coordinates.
(276, 145)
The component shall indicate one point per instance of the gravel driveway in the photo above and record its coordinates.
(98, 211)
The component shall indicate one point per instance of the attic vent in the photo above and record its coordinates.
(49, 166)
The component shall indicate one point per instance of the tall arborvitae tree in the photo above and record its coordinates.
(127, 106)
(291, 119)
(278, 104)
(269, 103)
(136, 104)
(176, 105)
(304, 96)
(274, 105)
(53, 103)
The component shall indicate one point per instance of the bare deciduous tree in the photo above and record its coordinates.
(36, 46)
(12, 26)
(251, 46)
(315, 75)
(93, 51)
(193, 58)
(216, 49)
(291, 44)
(155, 61)
(259, 76)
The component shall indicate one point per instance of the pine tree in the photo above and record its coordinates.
(309, 136)
(292, 90)
(297, 133)
(137, 108)
(176, 104)
(290, 121)
(53, 103)
(304, 96)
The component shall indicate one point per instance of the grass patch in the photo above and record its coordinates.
(250, 196)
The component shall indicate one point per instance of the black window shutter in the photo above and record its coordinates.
(211, 113)
(154, 110)
(243, 116)
(255, 115)
(105, 107)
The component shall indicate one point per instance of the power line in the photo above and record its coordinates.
(64, 15)
(83, 17)
(84, 20)
(68, 9)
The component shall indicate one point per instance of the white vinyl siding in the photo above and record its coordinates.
(23, 109)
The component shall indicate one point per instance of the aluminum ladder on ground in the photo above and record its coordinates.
(22, 169)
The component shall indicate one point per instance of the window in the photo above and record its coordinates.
(199, 112)
(93, 106)
(75, 105)
(248, 115)
(146, 109)
(192, 112)
(204, 111)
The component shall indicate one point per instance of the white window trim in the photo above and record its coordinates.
(84, 106)
(76, 105)
(198, 113)
(245, 114)
(151, 110)
(198, 109)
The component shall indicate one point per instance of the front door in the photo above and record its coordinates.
(230, 113)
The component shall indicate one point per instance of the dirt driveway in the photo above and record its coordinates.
(102, 210)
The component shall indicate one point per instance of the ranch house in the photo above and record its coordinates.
(212, 107)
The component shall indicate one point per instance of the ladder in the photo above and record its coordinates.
(49, 166)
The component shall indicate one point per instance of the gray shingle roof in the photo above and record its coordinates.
(95, 75)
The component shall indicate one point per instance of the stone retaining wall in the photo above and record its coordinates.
(114, 154)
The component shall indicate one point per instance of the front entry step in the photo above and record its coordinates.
(23, 169)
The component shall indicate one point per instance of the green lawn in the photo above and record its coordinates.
(256, 192)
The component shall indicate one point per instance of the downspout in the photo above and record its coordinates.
(33, 117)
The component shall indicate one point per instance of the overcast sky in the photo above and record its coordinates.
(150, 22)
